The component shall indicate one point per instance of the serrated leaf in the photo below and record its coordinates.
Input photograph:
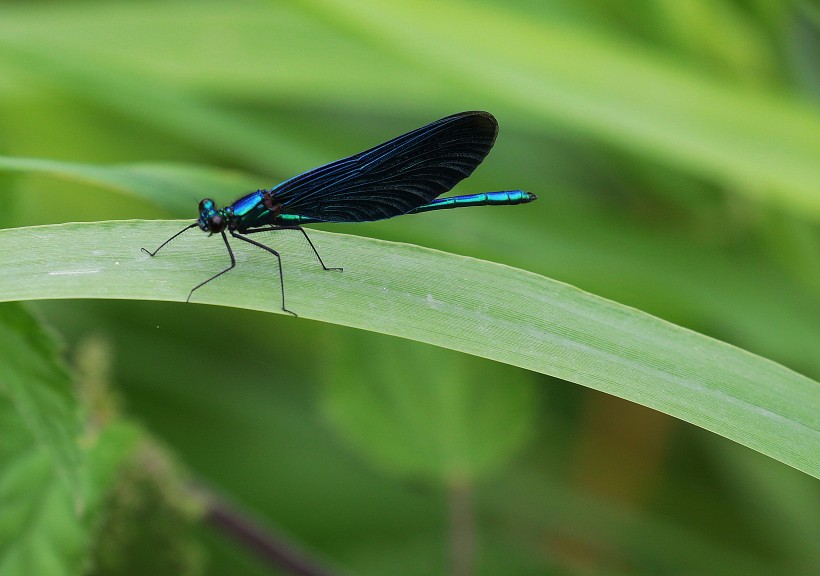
(50, 488)
(42, 529)
(38, 387)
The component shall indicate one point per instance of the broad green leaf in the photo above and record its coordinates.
(37, 386)
(50, 487)
(42, 530)
(418, 411)
(469, 305)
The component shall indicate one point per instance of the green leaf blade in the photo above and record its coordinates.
(472, 306)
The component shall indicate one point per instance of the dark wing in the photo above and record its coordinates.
(395, 177)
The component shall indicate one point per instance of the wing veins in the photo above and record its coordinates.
(394, 177)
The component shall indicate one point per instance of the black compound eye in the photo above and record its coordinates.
(217, 223)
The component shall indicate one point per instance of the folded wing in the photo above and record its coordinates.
(395, 177)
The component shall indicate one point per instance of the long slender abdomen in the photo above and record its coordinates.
(504, 198)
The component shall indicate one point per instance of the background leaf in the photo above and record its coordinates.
(405, 413)
(38, 389)
(51, 490)
(42, 530)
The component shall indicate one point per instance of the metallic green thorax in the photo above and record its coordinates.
(251, 211)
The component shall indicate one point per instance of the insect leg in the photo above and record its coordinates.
(215, 276)
(169, 239)
(304, 233)
(278, 259)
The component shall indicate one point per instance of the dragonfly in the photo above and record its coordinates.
(405, 175)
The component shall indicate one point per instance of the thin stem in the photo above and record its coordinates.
(272, 547)
(462, 528)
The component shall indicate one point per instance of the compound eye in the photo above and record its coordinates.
(217, 223)
(206, 205)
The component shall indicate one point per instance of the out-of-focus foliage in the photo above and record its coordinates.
(55, 473)
(674, 147)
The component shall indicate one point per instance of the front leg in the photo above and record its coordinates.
(161, 246)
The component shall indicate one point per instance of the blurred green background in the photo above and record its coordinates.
(675, 149)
